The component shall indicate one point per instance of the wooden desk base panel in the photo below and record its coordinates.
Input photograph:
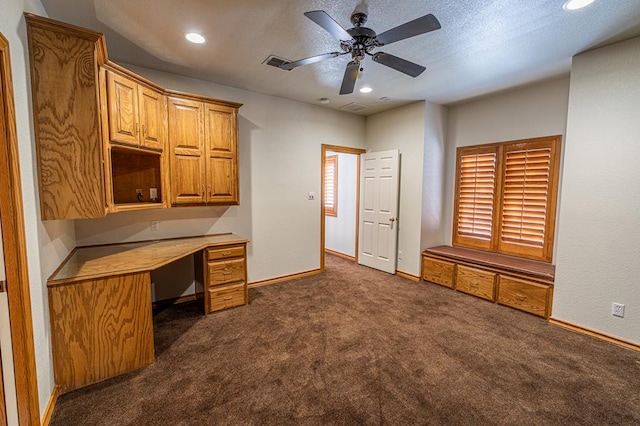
(101, 328)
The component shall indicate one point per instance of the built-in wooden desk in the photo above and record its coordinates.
(100, 301)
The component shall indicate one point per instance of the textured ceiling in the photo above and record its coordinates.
(482, 47)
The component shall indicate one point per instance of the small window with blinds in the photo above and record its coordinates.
(506, 197)
(331, 185)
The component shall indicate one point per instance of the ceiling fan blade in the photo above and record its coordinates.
(306, 61)
(412, 28)
(398, 64)
(349, 80)
(321, 18)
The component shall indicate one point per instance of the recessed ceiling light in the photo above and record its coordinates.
(195, 38)
(365, 89)
(577, 4)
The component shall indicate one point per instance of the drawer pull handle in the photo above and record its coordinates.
(226, 299)
(521, 297)
(227, 271)
(226, 253)
(474, 284)
(437, 274)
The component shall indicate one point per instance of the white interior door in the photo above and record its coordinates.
(378, 227)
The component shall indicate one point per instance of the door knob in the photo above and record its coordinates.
(392, 219)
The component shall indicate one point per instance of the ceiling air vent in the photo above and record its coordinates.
(353, 107)
(275, 61)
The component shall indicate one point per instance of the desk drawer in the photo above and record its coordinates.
(525, 295)
(225, 252)
(221, 272)
(437, 271)
(476, 281)
(227, 296)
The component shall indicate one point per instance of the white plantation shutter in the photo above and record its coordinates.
(506, 197)
(331, 185)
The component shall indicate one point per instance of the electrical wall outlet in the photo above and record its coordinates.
(155, 225)
(153, 194)
(311, 195)
(399, 255)
(617, 310)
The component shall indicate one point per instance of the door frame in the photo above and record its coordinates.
(339, 150)
(15, 251)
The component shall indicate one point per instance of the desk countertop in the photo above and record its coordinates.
(86, 263)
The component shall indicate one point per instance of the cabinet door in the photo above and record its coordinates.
(187, 152)
(123, 109)
(222, 159)
(152, 118)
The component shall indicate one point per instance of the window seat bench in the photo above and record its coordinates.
(519, 283)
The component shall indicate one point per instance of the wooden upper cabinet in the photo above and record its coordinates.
(222, 158)
(203, 140)
(108, 140)
(187, 151)
(136, 113)
(153, 125)
(65, 89)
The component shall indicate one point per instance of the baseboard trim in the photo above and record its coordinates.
(165, 303)
(284, 278)
(596, 334)
(337, 253)
(51, 405)
(408, 276)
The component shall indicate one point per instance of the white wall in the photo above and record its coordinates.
(404, 129)
(280, 161)
(433, 176)
(532, 111)
(340, 230)
(47, 243)
(599, 236)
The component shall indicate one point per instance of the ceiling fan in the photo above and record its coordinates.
(360, 41)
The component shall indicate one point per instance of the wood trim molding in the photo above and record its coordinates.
(15, 250)
(285, 278)
(342, 255)
(584, 330)
(51, 405)
(342, 150)
(408, 276)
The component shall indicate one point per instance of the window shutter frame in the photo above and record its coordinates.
(535, 164)
(505, 173)
(473, 206)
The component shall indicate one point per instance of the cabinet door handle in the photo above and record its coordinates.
(137, 128)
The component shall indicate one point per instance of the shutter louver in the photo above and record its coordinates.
(477, 179)
(331, 185)
(525, 196)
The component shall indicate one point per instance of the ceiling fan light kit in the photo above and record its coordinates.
(359, 41)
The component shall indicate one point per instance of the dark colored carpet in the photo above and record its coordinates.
(358, 346)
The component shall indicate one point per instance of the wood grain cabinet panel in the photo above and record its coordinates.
(519, 283)
(438, 271)
(101, 328)
(203, 140)
(136, 113)
(225, 277)
(525, 295)
(476, 281)
(67, 120)
(187, 156)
